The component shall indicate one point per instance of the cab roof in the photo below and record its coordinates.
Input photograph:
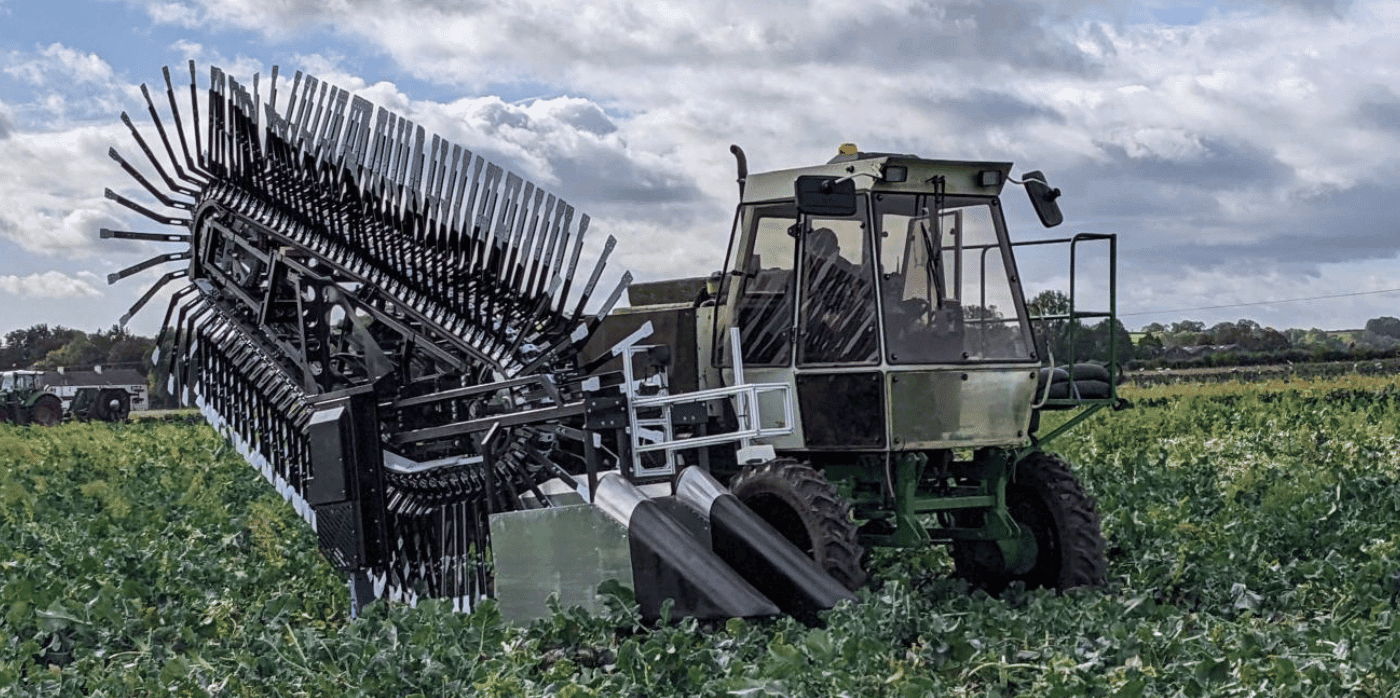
(961, 177)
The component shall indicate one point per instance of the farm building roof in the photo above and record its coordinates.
(111, 376)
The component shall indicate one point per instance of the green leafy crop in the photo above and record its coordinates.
(1254, 550)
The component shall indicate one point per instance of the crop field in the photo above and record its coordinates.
(1254, 536)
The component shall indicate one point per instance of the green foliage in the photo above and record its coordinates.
(1254, 543)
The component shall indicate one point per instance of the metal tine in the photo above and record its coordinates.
(151, 292)
(216, 122)
(524, 237)
(194, 169)
(293, 100)
(593, 323)
(243, 136)
(597, 272)
(330, 142)
(504, 238)
(417, 222)
(169, 150)
(379, 160)
(188, 327)
(142, 266)
(563, 217)
(463, 252)
(445, 232)
(379, 153)
(305, 110)
(404, 156)
(167, 220)
(432, 188)
(486, 210)
(543, 248)
(482, 242)
(573, 258)
(316, 106)
(520, 213)
(151, 156)
(391, 152)
(549, 275)
(194, 110)
(462, 165)
(353, 147)
(160, 195)
(169, 310)
(435, 232)
(107, 233)
(320, 124)
(352, 156)
(257, 102)
(415, 171)
(381, 189)
(271, 109)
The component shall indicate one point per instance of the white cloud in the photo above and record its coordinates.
(49, 284)
(1250, 137)
(68, 86)
(52, 185)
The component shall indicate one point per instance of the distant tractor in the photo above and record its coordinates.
(22, 401)
(98, 394)
(101, 404)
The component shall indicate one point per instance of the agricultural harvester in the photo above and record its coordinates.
(24, 401)
(399, 335)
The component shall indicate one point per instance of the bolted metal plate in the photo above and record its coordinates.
(953, 408)
(564, 550)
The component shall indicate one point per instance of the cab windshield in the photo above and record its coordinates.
(945, 280)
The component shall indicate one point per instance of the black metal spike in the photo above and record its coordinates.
(107, 233)
(140, 179)
(194, 110)
(194, 169)
(167, 220)
(597, 271)
(151, 292)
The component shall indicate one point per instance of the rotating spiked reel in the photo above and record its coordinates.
(388, 328)
(350, 282)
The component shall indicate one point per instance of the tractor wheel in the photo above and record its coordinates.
(46, 411)
(112, 405)
(1045, 498)
(806, 508)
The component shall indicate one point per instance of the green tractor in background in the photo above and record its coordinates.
(23, 401)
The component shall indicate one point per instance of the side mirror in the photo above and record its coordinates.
(826, 196)
(1043, 199)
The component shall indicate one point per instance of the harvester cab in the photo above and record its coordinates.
(884, 289)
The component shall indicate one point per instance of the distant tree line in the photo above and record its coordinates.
(1189, 343)
(44, 348)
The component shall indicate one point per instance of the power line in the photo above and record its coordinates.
(1241, 305)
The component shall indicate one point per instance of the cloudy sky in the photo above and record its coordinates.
(1245, 152)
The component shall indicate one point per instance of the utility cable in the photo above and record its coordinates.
(1241, 305)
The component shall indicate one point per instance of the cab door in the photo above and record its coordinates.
(840, 395)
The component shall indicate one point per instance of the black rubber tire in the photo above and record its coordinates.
(1045, 497)
(46, 411)
(806, 508)
(113, 405)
